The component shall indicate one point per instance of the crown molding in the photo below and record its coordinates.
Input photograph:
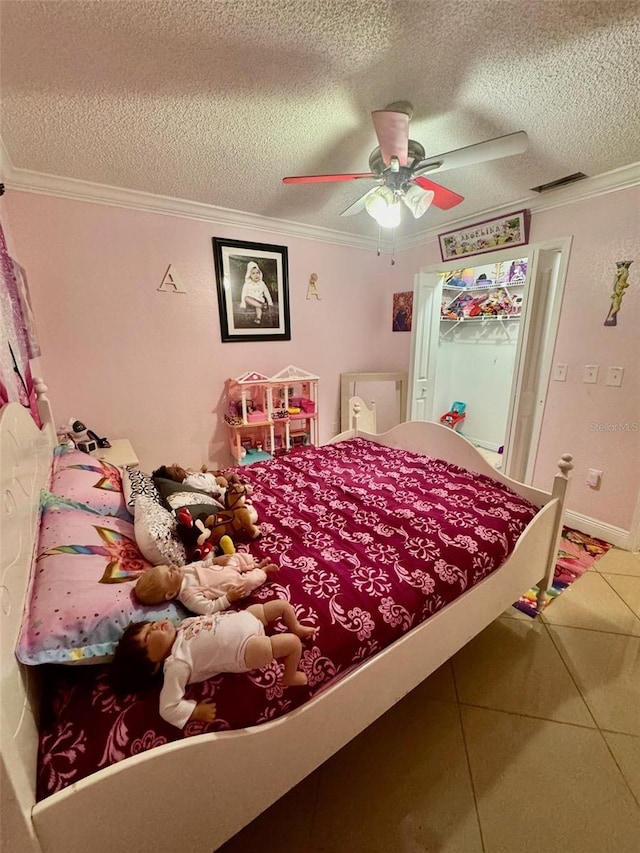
(54, 185)
(42, 183)
(617, 179)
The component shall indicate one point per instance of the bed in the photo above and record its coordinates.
(207, 786)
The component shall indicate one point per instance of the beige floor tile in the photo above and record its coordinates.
(514, 666)
(514, 613)
(402, 785)
(628, 588)
(617, 562)
(626, 751)
(606, 668)
(591, 602)
(440, 685)
(547, 786)
(285, 825)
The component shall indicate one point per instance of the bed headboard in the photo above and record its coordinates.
(25, 464)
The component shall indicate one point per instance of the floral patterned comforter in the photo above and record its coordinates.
(370, 541)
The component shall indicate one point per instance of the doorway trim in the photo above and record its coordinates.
(426, 325)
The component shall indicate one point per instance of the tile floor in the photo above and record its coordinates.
(527, 740)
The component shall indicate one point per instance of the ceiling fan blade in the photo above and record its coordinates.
(442, 197)
(481, 152)
(316, 179)
(392, 130)
(358, 204)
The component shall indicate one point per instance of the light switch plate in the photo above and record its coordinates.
(614, 376)
(593, 478)
(590, 373)
(560, 373)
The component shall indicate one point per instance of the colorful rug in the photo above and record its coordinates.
(577, 553)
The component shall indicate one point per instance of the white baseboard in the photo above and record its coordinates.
(600, 529)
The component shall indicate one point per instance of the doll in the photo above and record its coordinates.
(203, 646)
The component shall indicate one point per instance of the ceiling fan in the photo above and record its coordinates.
(398, 166)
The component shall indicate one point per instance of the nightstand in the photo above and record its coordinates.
(120, 453)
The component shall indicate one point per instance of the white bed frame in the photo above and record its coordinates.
(205, 788)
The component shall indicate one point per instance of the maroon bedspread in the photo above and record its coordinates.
(370, 541)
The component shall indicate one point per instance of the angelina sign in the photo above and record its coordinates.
(503, 231)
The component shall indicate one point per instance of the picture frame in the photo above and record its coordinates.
(506, 231)
(252, 307)
(402, 311)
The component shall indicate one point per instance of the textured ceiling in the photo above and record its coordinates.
(215, 101)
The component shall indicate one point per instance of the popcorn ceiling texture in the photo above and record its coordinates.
(217, 101)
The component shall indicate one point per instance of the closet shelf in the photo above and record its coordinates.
(479, 319)
(482, 286)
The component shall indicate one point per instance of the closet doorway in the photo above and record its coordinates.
(503, 362)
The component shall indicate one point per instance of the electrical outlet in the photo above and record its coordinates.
(614, 376)
(590, 373)
(560, 373)
(593, 478)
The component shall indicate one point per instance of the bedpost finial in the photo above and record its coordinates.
(565, 464)
(40, 387)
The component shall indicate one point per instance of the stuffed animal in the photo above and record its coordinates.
(197, 539)
(194, 535)
(236, 516)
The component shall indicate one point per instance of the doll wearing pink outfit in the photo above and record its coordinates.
(204, 646)
(206, 587)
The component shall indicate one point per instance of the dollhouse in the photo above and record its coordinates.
(268, 416)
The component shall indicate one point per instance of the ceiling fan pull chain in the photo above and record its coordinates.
(379, 239)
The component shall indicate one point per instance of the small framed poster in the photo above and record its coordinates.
(501, 231)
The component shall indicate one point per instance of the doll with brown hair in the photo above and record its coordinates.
(216, 484)
(204, 646)
(205, 480)
(205, 587)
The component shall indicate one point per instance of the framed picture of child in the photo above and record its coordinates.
(252, 282)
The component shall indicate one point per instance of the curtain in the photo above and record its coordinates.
(18, 340)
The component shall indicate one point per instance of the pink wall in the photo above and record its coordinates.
(598, 423)
(132, 361)
(605, 229)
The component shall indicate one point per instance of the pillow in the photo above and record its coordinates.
(135, 483)
(81, 596)
(177, 495)
(93, 482)
(155, 532)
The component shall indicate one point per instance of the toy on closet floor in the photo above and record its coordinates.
(455, 416)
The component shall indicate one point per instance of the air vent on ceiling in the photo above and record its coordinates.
(561, 182)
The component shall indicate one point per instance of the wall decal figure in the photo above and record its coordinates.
(620, 284)
(312, 289)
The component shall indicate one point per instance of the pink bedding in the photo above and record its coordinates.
(370, 541)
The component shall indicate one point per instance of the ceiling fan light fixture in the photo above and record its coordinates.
(384, 207)
(418, 200)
